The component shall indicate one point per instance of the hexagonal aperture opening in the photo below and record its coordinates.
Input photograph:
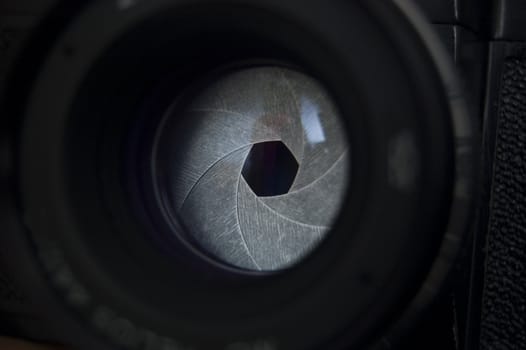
(270, 169)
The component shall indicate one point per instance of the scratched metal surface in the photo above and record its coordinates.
(202, 175)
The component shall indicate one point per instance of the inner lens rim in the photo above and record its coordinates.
(163, 203)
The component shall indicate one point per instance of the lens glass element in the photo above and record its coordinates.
(252, 167)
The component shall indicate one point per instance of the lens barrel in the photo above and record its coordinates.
(151, 133)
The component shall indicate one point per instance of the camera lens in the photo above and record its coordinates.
(252, 164)
(213, 174)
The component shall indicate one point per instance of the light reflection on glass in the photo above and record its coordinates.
(310, 117)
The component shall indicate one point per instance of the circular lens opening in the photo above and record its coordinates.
(251, 167)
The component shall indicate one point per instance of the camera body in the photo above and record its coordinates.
(486, 39)
(483, 304)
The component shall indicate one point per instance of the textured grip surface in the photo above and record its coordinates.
(504, 303)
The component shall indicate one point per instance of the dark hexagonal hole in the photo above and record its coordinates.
(270, 169)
